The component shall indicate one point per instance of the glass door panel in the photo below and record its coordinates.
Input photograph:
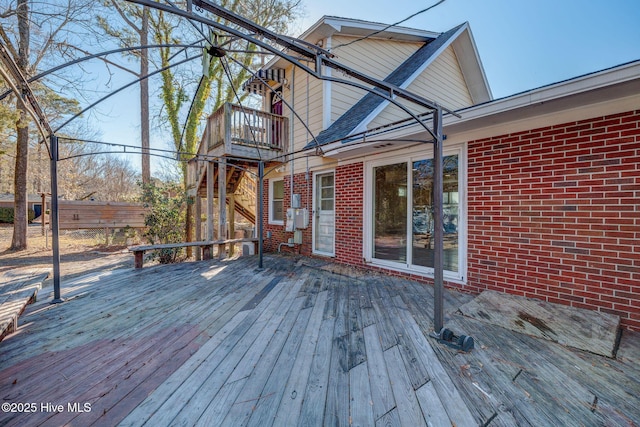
(390, 212)
(325, 214)
(422, 213)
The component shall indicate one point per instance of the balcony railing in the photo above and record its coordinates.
(242, 133)
(232, 124)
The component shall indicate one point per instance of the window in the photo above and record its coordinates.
(276, 199)
(422, 208)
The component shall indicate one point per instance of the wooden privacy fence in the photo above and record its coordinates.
(75, 215)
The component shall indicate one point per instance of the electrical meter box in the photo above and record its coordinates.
(296, 201)
(297, 219)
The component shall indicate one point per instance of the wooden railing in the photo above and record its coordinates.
(238, 131)
(232, 124)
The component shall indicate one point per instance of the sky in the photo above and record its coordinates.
(523, 44)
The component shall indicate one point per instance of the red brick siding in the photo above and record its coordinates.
(303, 187)
(554, 213)
(349, 219)
(348, 205)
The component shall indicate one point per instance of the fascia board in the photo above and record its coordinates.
(590, 82)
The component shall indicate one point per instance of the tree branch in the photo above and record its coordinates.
(103, 59)
(7, 42)
(123, 15)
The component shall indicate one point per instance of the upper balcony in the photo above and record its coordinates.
(242, 132)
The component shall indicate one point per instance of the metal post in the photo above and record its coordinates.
(55, 235)
(43, 210)
(438, 230)
(260, 213)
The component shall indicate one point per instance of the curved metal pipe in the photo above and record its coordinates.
(291, 245)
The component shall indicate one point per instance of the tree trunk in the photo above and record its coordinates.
(144, 97)
(20, 218)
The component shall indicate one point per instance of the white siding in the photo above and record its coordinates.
(441, 82)
(306, 107)
(375, 57)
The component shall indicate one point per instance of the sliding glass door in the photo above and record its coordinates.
(402, 222)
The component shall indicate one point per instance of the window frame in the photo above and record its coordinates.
(368, 209)
(272, 219)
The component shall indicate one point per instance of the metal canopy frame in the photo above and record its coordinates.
(322, 58)
(308, 53)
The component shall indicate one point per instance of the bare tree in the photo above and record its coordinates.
(19, 239)
(89, 173)
(134, 30)
(48, 33)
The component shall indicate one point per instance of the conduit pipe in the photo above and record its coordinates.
(291, 245)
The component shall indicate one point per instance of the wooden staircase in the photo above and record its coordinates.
(240, 184)
(245, 197)
(238, 137)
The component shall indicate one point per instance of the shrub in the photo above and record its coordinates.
(164, 221)
(6, 215)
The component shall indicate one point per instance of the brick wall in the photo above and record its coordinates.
(349, 221)
(554, 213)
(302, 186)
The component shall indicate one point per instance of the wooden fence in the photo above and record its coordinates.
(75, 215)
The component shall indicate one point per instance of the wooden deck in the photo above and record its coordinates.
(18, 288)
(299, 343)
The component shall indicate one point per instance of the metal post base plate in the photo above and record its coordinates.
(459, 342)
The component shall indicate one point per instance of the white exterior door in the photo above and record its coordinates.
(324, 214)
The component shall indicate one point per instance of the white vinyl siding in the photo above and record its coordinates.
(375, 57)
(306, 107)
(441, 82)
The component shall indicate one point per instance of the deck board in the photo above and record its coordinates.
(300, 342)
(315, 396)
(588, 330)
(406, 401)
(291, 403)
(251, 393)
(382, 398)
(336, 410)
(274, 388)
(360, 413)
(188, 399)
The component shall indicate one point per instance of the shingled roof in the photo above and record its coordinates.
(353, 117)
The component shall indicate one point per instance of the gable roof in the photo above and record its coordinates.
(401, 76)
(328, 26)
